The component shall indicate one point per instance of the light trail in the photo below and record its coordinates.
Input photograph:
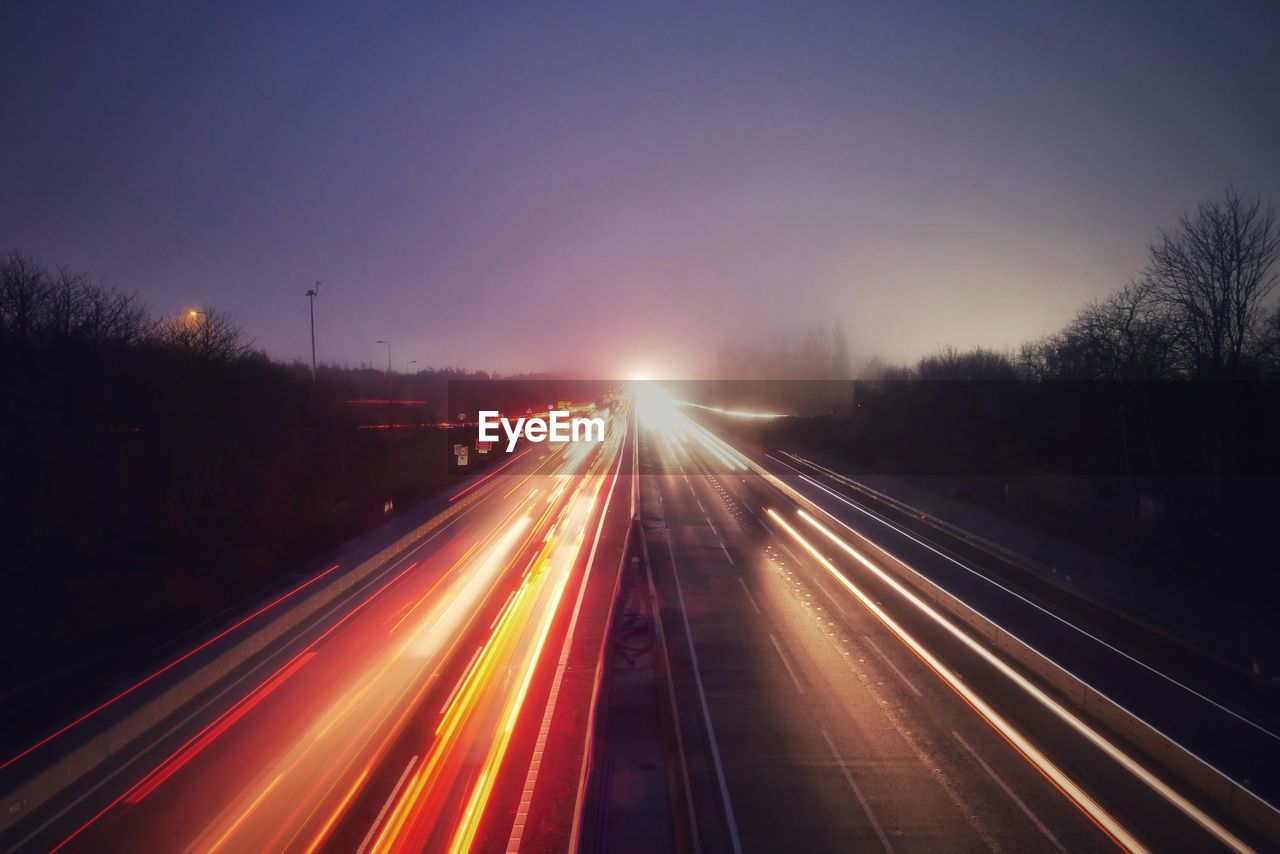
(309, 741)
(1051, 771)
(443, 803)
(165, 669)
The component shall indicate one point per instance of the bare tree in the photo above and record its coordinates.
(980, 363)
(1130, 335)
(24, 295)
(1214, 273)
(208, 335)
(39, 308)
(1269, 349)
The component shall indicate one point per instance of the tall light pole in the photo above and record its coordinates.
(311, 297)
(388, 343)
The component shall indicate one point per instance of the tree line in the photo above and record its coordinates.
(158, 469)
(1201, 309)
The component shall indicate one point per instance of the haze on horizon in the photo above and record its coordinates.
(618, 189)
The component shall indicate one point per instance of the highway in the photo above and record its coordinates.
(435, 688)
(823, 705)
(410, 714)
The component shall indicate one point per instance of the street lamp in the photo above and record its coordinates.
(311, 297)
(193, 314)
(388, 343)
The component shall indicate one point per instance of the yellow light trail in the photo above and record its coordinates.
(507, 642)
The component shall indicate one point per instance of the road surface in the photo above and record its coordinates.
(823, 707)
(410, 714)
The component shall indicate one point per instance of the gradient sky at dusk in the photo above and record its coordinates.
(621, 186)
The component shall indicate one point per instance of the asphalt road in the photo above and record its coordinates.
(822, 709)
(406, 715)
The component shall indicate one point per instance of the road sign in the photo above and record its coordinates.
(462, 459)
(483, 447)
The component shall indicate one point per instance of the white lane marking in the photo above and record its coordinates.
(786, 663)
(857, 792)
(892, 666)
(747, 590)
(783, 545)
(1153, 782)
(713, 527)
(700, 507)
(382, 813)
(925, 543)
(502, 610)
(727, 556)
(831, 596)
(1066, 784)
(535, 761)
(706, 712)
(1026, 810)
(472, 663)
(371, 581)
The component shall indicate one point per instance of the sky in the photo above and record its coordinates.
(618, 188)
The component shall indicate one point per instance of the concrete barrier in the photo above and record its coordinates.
(46, 784)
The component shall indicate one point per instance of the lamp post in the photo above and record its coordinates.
(407, 378)
(388, 343)
(311, 297)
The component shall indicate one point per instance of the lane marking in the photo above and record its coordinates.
(297, 639)
(662, 648)
(786, 663)
(364, 843)
(830, 596)
(165, 669)
(465, 673)
(1012, 592)
(1026, 810)
(747, 590)
(1153, 782)
(727, 556)
(892, 666)
(702, 698)
(857, 792)
(153, 781)
(1105, 821)
(535, 761)
(503, 610)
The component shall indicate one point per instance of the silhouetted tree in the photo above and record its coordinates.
(1269, 345)
(40, 308)
(977, 364)
(1214, 272)
(1130, 335)
(208, 335)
